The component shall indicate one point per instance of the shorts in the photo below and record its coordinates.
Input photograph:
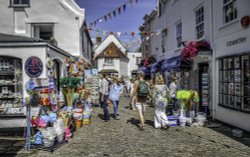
(141, 106)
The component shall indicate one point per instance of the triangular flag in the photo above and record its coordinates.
(136, 1)
(132, 34)
(119, 34)
(152, 34)
(94, 23)
(110, 16)
(105, 18)
(158, 32)
(119, 10)
(124, 7)
(100, 20)
(104, 33)
(131, 2)
(114, 13)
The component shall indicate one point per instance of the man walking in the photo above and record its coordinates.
(141, 91)
(104, 97)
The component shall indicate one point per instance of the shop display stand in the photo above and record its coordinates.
(205, 92)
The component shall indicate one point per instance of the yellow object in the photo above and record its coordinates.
(86, 121)
(78, 124)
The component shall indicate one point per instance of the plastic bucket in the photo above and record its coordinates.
(182, 121)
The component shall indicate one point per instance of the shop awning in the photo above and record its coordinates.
(108, 71)
(176, 63)
(154, 68)
(146, 70)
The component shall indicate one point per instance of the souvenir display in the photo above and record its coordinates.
(11, 86)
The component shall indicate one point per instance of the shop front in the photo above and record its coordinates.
(21, 59)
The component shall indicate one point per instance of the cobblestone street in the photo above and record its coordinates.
(123, 138)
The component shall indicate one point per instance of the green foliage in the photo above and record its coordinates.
(70, 82)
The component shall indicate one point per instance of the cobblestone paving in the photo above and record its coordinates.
(122, 138)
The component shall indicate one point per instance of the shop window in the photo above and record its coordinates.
(20, 3)
(178, 34)
(199, 20)
(43, 31)
(234, 82)
(109, 61)
(11, 86)
(229, 10)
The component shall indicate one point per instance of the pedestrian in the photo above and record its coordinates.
(141, 91)
(173, 91)
(127, 87)
(132, 96)
(114, 96)
(104, 97)
(100, 89)
(160, 101)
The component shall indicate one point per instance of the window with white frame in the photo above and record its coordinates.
(109, 61)
(229, 10)
(43, 31)
(179, 34)
(163, 37)
(20, 3)
(199, 22)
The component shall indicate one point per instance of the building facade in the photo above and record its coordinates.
(113, 59)
(220, 73)
(231, 47)
(57, 21)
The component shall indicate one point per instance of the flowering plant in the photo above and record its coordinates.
(193, 47)
(184, 96)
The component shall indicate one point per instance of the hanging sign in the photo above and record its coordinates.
(33, 67)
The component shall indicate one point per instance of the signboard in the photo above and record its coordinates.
(33, 67)
(94, 72)
(236, 41)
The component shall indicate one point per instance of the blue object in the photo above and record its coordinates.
(52, 117)
(176, 63)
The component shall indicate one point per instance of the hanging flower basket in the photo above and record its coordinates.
(192, 48)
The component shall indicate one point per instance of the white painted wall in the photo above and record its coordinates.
(102, 65)
(65, 14)
(222, 34)
(132, 61)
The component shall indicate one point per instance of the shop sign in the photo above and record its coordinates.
(236, 41)
(33, 67)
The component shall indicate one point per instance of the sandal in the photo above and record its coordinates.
(141, 127)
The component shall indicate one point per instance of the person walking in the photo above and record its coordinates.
(132, 96)
(141, 91)
(114, 96)
(104, 97)
(173, 91)
(160, 101)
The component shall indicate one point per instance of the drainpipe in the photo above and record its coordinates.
(214, 65)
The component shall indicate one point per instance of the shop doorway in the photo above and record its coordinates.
(57, 74)
(204, 87)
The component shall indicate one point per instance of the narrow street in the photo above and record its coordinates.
(123, 138)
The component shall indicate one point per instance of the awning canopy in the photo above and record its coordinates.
(176, 63)
(146, 70)
(108, 71)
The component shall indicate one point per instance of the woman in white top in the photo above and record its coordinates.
(160, 100)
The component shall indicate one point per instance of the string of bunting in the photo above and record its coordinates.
(144, 34)
(113, 14)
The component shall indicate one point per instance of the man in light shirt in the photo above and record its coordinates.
(104, 89)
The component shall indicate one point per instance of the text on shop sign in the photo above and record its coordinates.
(236, 41)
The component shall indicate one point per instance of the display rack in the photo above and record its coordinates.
(205, 90)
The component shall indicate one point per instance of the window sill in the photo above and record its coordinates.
(201, 39)
(229, 23)
(108, 64)
(234, 109)
(19, 6)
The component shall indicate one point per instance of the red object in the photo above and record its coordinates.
(192, 48)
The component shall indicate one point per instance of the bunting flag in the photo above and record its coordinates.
(119, 10)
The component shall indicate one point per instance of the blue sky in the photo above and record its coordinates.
(128, 21)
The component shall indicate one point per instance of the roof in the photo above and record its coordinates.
(15, 38)
(111, 51)
(108, 71)
(17, 41)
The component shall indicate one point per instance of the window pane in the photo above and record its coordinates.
(231, 101)
(238, 89)
(246, 103)
(237, 75)
(238, 102)
(25, 1)
(16, 2)
(231, 89)
(221, 99)
(245, 62)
